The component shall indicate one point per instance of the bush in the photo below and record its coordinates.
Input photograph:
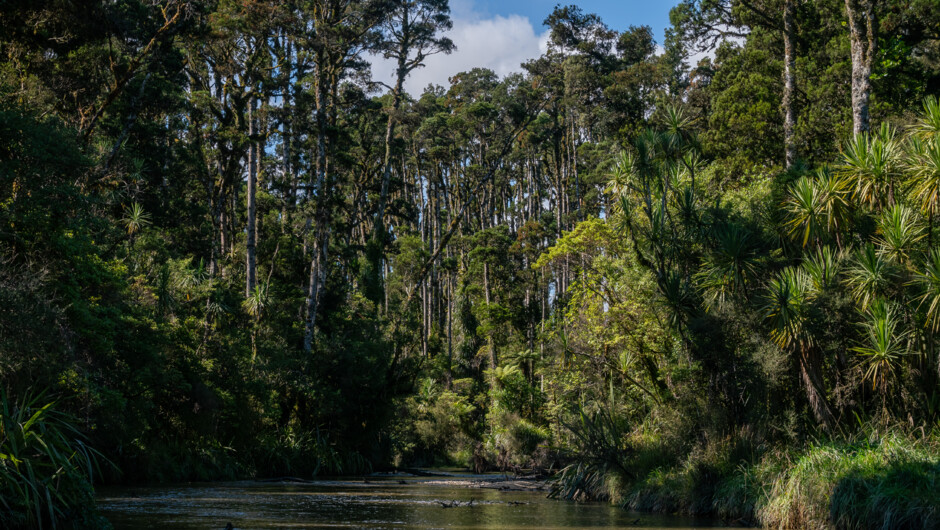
(601, 460)
(46, 468)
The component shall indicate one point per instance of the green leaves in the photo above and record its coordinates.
(873, 162)
(928, 282)
(928, 125)
(871, 275)
(924, 171)
(257, 301)
(135, 218)
(46, 470)
(818, 208)
(786, 307)
(885, 342)
(804, 203)
(899, 229)
(823, 267)
(730, 266)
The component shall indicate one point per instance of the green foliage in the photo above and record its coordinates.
(46, 467)
(886, 343)
(597, 264)
(787, 308)
(873, 163)
(870, 484)
(870, 275)
(929, 282)
(603, 455)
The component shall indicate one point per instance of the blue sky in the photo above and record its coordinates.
(502, 34)
(619, 15)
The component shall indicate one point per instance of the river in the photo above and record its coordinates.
(374, 502)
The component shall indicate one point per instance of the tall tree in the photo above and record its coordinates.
(342, 30)
(410, 35)
(861, 17)
(789, 82)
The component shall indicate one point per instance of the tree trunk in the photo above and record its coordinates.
(253, 161)
(389, 133)
(789, 83)
(815, 389)
(486, 292)
(862, 29)
(320, 254)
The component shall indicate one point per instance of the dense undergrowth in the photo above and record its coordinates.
(874, 481)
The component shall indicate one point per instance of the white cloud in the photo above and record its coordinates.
(698, 55)
(499, 43)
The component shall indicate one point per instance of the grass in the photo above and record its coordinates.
(877, 482)
(891, 482)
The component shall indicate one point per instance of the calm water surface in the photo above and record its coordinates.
(357, 503)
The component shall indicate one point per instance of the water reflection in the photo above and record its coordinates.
(378, 503)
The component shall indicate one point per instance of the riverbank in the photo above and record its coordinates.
(888, 482)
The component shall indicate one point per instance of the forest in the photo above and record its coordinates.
(691, 276)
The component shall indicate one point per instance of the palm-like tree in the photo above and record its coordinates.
(804, 204)
(884, 344)
(924, 172)
(135, 218)
(898, 230)
(822, 267)
(873, 162)
(257, 301)
(621, 178)
(787, 309)
(730, 265)
(835, 201)
(677, 138)
(929, 283)
(870, 276)
(928, 126)
(677, 296)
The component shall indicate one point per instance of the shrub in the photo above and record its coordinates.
(46, 468)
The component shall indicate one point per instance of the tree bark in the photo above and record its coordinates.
(401, 73)
(815, 389)
(252, 236)
(861, 18)
(789, 83)
(320, 254)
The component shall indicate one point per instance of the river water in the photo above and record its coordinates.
(375, 502)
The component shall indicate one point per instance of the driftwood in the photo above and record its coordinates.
(455, 504)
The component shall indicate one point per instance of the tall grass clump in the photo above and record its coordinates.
(888, 482)
(46, 468)
(601, 459)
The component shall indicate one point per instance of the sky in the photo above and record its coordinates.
(502, 34)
